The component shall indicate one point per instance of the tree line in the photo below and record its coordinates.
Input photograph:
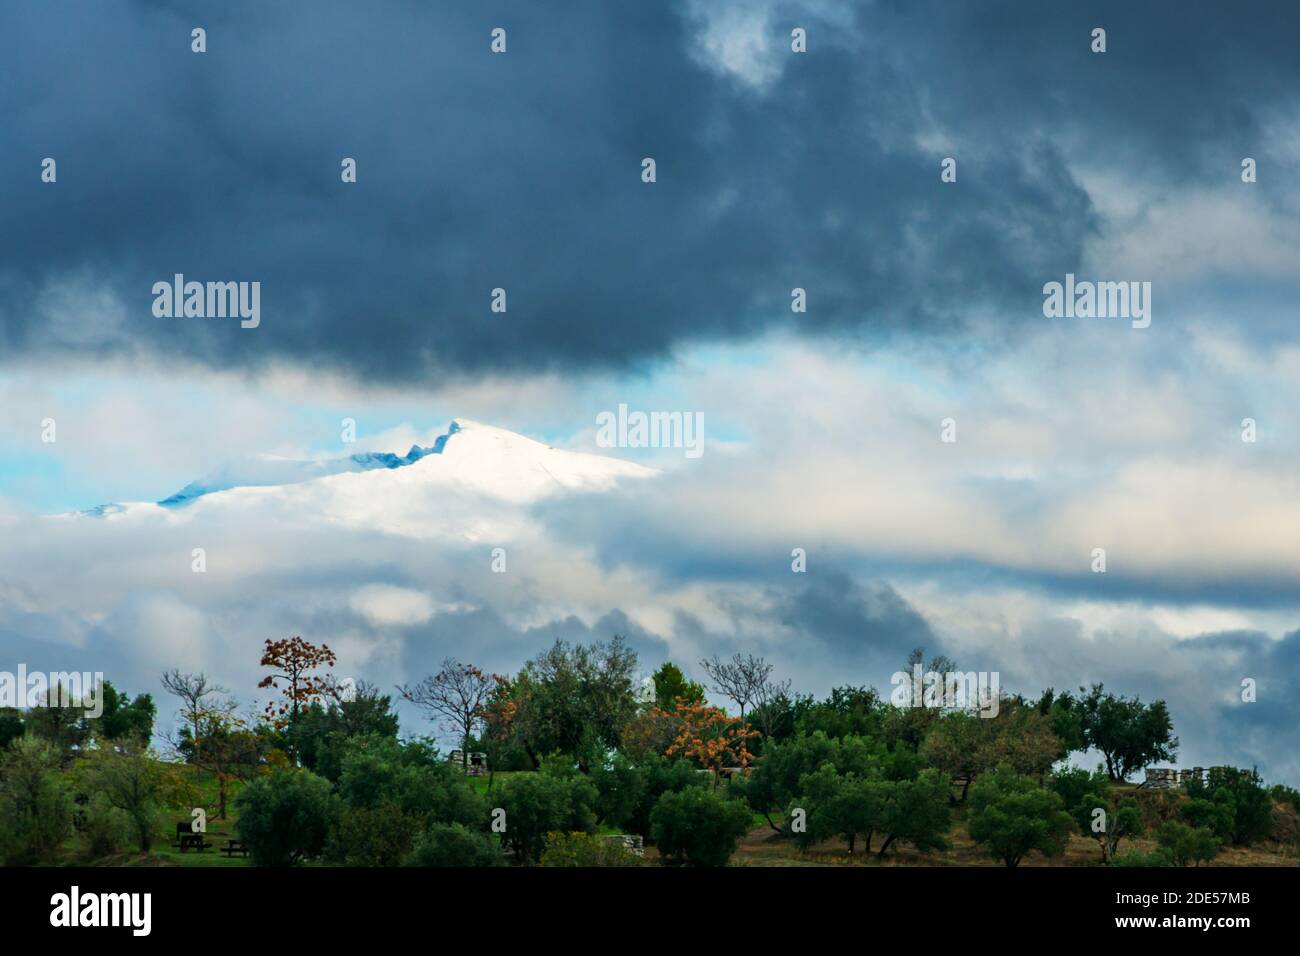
(322, 772)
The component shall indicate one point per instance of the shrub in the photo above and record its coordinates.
(1187, 845)
(372, 836)
(583, 849)
(539, 803)
(284, 818)
(698, 826)
(451, 844)
(1217, 815)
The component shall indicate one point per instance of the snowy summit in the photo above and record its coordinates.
(470, 462)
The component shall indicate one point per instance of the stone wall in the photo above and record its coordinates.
(1171, 778)
(632, 841)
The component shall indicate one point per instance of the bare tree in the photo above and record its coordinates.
(740, 679)
(769, 694)
(457, 694)
(940, 664)
(193, 690)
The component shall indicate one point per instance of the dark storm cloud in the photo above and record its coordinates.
(522, 170)
(1263, 732)
(864, 627)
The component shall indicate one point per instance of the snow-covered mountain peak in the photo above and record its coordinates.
(469, 461)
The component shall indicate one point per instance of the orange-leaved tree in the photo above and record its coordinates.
(709, 736)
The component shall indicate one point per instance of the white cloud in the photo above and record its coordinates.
(385, 604)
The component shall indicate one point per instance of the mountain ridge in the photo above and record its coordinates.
(494, 462)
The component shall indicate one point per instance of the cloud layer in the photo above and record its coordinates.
(522, 171)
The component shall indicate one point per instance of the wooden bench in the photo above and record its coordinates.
(191, 841)
(187, 839)
(234, 846)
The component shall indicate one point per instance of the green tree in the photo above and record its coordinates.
(1066, 720)
(285, 817)
(839, 806)
(133, 782)
(1128, 733)
(916, 812)
(670, 684)
(620, 787)
(655, 776)
(777, 775)
(124, 721)
(1072, 784)
(698, 826)
(35, 804)
(412, 779)
(536, 804)
(323, 726)
(1106, 819)
(966, 744)
(1252, 807)
(11, 726)
(60, 720)
(847, 711)
(1011, 815)
(959, 744)
(913, 811)
(575, 699)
